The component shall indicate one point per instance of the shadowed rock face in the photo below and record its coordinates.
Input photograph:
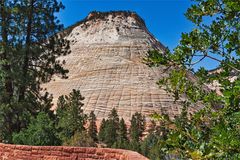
(106, 64)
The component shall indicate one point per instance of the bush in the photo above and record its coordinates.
(41, 131)
(81, 139)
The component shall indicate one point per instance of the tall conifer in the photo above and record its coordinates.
(102, 130)
(122, 140)
(92, 129)
(71, 118)
(29, 49)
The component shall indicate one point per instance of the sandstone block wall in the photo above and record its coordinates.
(21, 152)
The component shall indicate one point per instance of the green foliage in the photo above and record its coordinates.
(122, 139)
(110, 133)
(113, 116)
(81, 139)
(70, 116)
(11, 122)
(102, 130)
(111, 128)
(66, 127)
(92, 128)
(136, 131)
(135, 145)
(213, 131)
(114, 132)
(150, 147)
(41, 131)
(28, 57)
(137, 126)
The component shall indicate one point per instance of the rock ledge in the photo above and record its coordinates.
(21, 152)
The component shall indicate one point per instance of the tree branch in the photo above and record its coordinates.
(213, 58)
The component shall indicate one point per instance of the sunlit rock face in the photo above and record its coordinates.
(106, 65)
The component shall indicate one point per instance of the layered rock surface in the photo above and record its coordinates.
(21, 152)
(106, 64)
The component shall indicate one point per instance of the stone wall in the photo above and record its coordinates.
(21, 152)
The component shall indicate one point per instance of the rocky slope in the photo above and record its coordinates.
(106, 64)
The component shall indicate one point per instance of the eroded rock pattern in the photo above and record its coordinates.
(106, 64)
(23, 152)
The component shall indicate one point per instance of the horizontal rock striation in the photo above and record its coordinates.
(20, 152)
(106, 64)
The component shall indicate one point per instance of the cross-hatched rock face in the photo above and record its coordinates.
(106, 64)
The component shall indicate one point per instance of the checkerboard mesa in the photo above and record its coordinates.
(106, 65)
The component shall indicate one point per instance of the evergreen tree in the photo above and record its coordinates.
(122, 131)
(136, 131)
(135, 145)
(111, 128)
(28, 57)
(41, 131)
(151, 145)
(92, 128)
(102, 130)
(110, 133)
(137, 126)
(6, 50)
(113, 116)
(71, 118)
(122, 140)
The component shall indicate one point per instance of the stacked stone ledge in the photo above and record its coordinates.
(22, 152)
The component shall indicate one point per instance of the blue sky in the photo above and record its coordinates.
(164, 18)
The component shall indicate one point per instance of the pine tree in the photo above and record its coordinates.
(6, 91)
(102, 130)
(136, 131)
(137, 126)
(71, 118)
(122, 140)
(92, 128)
(41, 131)
(28, 58)
(111, 128)
(113, 116)
(122, 131)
